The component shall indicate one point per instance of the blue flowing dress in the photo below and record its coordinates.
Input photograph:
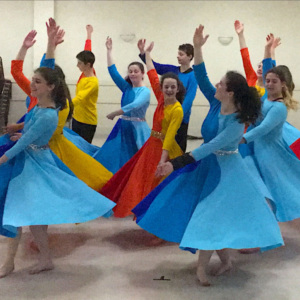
(37, 188)
(131, 130)
(234, 215)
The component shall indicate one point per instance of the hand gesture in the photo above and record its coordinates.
(276, 42)
(29, 39)
(52, 30)
(269, 40)
(164, 169)
(150, 47)
(141, 45)
(108, 43)
(239, 27)
(16, 136)
(199, 38)
(59, 38)
(89, 29)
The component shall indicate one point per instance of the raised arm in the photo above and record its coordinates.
(251, 75)
(267, 61)
(160, 68)
(203, 81)
(88, 42)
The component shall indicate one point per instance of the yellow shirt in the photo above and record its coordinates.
(173, 115)
(261, 90)
(85, 101)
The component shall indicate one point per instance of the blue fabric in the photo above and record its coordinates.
(188, 80)
(54, 195)
(127, 137)
(173, 211)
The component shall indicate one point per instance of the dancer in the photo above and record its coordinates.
(84, 166)
(137, 177)
(282, 179)
(217, 187)
(186, 76)
(55, 195)
(131, 131)
(85, 102)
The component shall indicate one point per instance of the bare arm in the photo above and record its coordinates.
(108, 45)
(239, 29)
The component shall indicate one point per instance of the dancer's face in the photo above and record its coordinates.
(82, 66)
(135, 74)
(40, 87)
(169, 88)
(274, 85)
(183, 58)
(221, 89)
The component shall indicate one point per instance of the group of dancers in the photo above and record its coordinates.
(230, 192)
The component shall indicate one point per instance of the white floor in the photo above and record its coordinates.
(111, 259)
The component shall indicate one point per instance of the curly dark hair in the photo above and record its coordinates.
(246, 99)
(181, 89)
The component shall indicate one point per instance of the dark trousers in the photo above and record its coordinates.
(181, 136)
(86, 131)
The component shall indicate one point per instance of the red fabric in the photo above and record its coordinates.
(136, 179)
(295, 147)
(22, 81)
(249, 71)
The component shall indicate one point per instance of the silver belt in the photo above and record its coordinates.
(36, 147)
(223, 152)
(127, 118)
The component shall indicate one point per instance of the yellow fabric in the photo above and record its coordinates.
(173, 115)
(85, 101)
(261, 90)
(86, 168)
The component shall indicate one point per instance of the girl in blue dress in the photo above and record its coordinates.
(278, 165)
(212, 203)
(131, 131)
(55, 195)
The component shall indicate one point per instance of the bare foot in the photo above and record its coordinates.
(41, 267)
(222, 269)
(202, 277)
(249, 251)
(6, 269)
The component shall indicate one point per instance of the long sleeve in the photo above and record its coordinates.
(224, 138)
(140, 100)
(155, 84)
(47, 62)
(84, 93)
(191, 90)
(121, 83)
(19, 77)
(42, 125)
(249, 71)
(204, 83)
(88, 45)
(176, 120)
(277, 114)
(267, 65)
(161, 68)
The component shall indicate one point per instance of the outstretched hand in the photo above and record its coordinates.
(29, 40)
(89, 28)
(276, 42)
(150, 47)
(54, 33)
(239, 27)
(141, 45)
(269, 40)
(199, 39)
(108, 43)
(59, 38)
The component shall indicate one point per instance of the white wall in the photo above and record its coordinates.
(168, 23)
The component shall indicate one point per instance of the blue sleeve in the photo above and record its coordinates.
(161, 68)
(41, 125)
(27, 101)
(48, 63)
(205, 85)
(120, 82)
(190, 95)
(230, 133)
(140, 100)
(276, 115)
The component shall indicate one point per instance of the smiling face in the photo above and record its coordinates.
(221, 90)
(169, 88)
(39, 86)
(183, 58)
(274, 85)
(135, 74)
